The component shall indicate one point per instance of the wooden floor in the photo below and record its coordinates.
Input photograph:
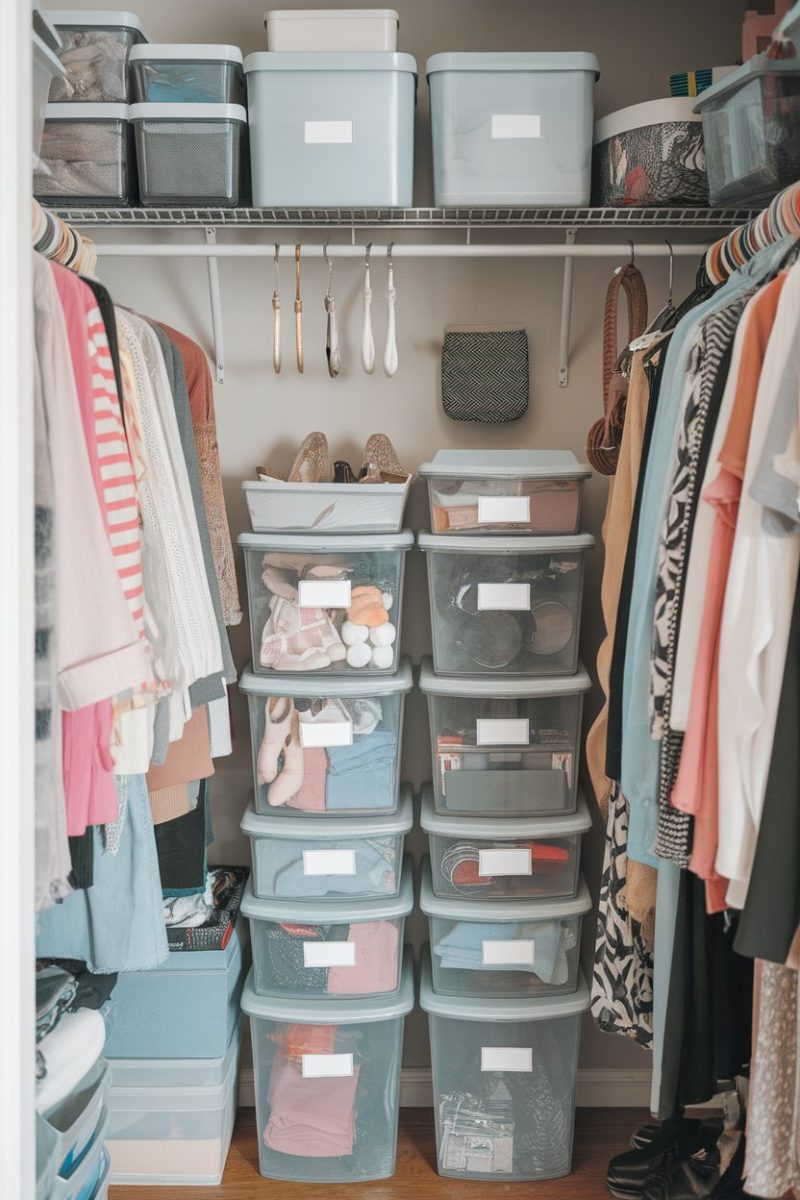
(600, 1133)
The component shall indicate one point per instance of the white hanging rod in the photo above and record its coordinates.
(623, 251)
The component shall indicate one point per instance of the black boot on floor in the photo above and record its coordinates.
(676, 1139)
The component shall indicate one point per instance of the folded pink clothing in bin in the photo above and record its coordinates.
(310, 1117)
(375, 966)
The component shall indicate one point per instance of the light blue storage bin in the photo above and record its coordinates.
(505, 605)
(68, 1133)
(504, 1075)
(327, 1080)
(326, 950)
(341, 742)
(503, 947)
(306, 595)
(186, 1008)
(312, 858)
(512, 128)
(331, 130)
(533, 858)
(504, 747)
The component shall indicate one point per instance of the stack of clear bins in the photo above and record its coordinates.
(502, 887)
(330, 889)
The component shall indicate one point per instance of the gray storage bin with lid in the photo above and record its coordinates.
(751, 130)
(505, 491)
(312, 858)
(309, 610)
(505, 605)
(327, 1081)
(326, 746)
(503, 947)
(67, 1133)
(190, 154)
(504, 1076)
(173, 1125)
(504, 747)
(326, 949)
(529, 857)
(186, 73)
(512, 128)
(650, 155)
(331, 130)
(87, 155)
(95, 47)
(277, 506)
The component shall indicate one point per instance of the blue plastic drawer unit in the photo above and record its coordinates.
(513, 128)
(331, 130)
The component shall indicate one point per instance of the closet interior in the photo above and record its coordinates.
(415, 460)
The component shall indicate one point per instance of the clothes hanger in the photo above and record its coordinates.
(390, 358)
(331, 332)
(660, 322)
(276, 314)
(367, 340)
(298, 309)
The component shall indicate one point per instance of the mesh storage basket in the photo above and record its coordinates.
(189, 154)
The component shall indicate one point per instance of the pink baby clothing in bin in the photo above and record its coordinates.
(375, 967)
(310, 1117)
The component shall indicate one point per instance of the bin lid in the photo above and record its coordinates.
(754, 68)
(491, 544)
(506, 464)
(331, 14)
(333, 912)
(327, 685)
(355, 60)
(180, 51)
(517, 687)
(333, 1012)
(493, 1008)
(462, 908)
(639, 116)
(518, 60)
(329, 543)
(254, 825)
(87, 112)
(91, 18)
(502, 828)
(188, 112)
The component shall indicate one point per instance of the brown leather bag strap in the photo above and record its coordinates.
(629, 278)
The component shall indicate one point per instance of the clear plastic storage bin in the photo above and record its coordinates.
(84, 1182)
(326, 949)
(327, 1079)
(751, 129)
(532, 858)
(512, 128)
(95, 47)
(505, 491)
(325, 605)
(276, 506)
(332, 130)
(324, 746)
(504, 747)
(45, 67)
(190, 154)
(504, 1075)
(504, 947)
(71, 1129)
(307, 858)
(186, 73)
(87, 155)
(332, 30)
(505, 605)
(173, 1129)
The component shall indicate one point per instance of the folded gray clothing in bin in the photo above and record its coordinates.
(375, 869)
(95, 64)
(80, 142)
(462, 948)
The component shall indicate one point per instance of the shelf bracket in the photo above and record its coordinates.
(216, 307)
(566, 312)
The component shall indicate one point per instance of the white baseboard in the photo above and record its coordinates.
(597, 1088)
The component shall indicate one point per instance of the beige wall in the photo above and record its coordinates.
(262, 419)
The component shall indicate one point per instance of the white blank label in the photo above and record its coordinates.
(328, 133)
(514, 861)
(515, 952)
(506, 1058)
(502, 733)
(329, 862)
(494, 510)
(326, 733)
(516, 125)
(329, 954)
(504, 597)
(317, 593)
(327, 1066)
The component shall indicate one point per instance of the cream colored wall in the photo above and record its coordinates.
(262, 418)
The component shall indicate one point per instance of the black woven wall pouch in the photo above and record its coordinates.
(485, 373)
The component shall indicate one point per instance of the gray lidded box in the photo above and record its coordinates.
(504, 747)
(186, 73)
(87, 155)
(190, 154)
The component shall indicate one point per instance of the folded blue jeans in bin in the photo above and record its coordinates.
(362, 774)
(462, 948)
(375, 871)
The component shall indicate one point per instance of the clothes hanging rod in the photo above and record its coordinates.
(623, 251)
